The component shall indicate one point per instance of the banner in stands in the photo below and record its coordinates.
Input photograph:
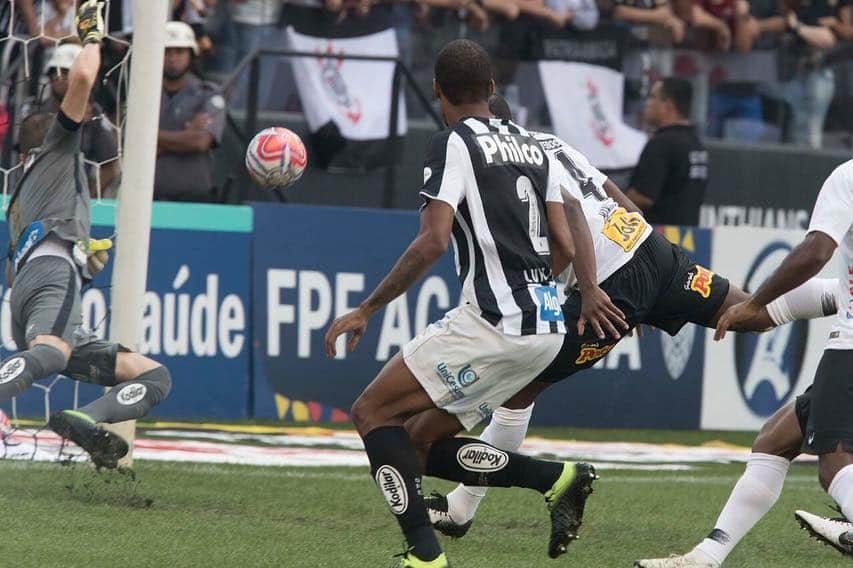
(749, 376)
(196, 318)
(585, 104)
(344, 91)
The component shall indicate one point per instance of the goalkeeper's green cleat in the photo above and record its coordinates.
(105, 447)
(566, 501)
(409, 560)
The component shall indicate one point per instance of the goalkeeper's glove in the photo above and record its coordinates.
(94, 256)
(90, 22)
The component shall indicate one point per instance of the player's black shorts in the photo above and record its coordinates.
(824, 410)
(660, 286)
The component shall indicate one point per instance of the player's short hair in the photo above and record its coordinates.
(463, 72)
(33, 130)
(679, 92)
(499, 107)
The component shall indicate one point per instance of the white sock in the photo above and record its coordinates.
(815, 298)
(841, 489)
(506, 431)
(754, 495)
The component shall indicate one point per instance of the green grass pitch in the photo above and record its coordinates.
(175, 515)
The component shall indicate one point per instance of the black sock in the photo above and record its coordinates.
(395, 468)
(476, 463)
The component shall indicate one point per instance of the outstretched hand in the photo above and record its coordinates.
(354, 323)
(598, 311)
(736, 316)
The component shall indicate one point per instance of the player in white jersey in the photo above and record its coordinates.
(820, 421)
(651, 280)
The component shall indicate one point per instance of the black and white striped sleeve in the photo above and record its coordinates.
(446, 169)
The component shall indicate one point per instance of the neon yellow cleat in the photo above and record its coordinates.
(409, 560)
(566, 500)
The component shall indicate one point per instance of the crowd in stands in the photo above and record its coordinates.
(809, 41)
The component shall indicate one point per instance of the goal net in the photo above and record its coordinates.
(32, 36)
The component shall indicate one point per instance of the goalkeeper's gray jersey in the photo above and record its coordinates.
(52, 197)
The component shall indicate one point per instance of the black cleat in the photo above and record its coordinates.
(440, 518)
(105, 447)
(566, 505)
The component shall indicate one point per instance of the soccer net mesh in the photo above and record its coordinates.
(30, 33)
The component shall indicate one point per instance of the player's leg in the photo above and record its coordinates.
(754, 494)
(456, 365)
(829, 434)
(45, 308)
(633, 289)
(139, 383)
(453, 514)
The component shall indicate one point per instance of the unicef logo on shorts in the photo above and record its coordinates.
(455, 383)
(769, 364)
(467, 376)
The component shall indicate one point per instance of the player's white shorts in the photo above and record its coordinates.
(469, 368)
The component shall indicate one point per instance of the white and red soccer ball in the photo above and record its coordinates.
(276, 158)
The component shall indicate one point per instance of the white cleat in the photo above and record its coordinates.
(689, 560)
(834, 532)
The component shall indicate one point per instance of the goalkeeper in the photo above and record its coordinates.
(51, 255)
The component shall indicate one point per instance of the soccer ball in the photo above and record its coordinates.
(276, 158)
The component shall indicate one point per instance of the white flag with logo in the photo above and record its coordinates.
(585, 103)
(355, 95)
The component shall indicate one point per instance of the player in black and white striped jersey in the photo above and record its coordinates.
(489, 185)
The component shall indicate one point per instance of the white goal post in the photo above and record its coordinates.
(133, 215)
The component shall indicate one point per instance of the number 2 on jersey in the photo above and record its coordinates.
(524, 189)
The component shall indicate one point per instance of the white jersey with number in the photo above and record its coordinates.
(616, 233)
(833, 216)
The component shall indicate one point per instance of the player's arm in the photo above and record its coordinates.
(446, 175)
(429, 245)
(560, 241)
(81, 79)
(641, 200)
(596, 307)
(613, 192)
(801, 264)
(84, 70)
(831, 220)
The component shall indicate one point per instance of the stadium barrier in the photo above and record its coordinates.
(240, 297)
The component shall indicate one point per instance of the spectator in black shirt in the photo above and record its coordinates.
(669, 181)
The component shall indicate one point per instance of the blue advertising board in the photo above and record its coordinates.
(313, 264)
(197, 310)
(240, 298)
